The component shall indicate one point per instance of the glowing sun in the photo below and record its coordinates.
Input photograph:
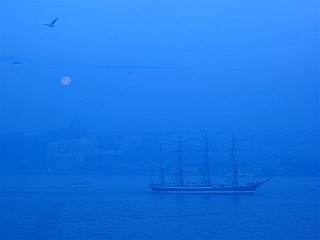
(66, 80)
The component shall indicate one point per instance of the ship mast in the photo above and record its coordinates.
(207, 162)
(180, 164)
(235, 175)
(162, 174)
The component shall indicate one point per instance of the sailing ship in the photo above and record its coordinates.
(208, 187)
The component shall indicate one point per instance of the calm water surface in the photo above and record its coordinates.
(122, 207)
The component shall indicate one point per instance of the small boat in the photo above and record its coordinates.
(81, 185)
(183, 187)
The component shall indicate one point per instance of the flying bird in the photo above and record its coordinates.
(17, 63)
(52, 23)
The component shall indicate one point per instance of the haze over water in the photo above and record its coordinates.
(160, 65)
(90, 89)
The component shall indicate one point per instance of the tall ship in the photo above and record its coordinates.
(208, 187)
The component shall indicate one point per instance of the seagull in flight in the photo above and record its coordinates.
(52, 23)
(17, 63)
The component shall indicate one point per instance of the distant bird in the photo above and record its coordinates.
(15, 63)
(52, 23)
(130, 72)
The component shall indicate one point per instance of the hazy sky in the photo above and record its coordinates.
(160, 65)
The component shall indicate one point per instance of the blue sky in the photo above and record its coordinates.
(160, 65)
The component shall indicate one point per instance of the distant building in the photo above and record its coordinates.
(74, 124)
(68, 147)
(65, 154)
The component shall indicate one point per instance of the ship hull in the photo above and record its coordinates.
(245, 189)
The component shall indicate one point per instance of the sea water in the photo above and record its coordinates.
(37, 206)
